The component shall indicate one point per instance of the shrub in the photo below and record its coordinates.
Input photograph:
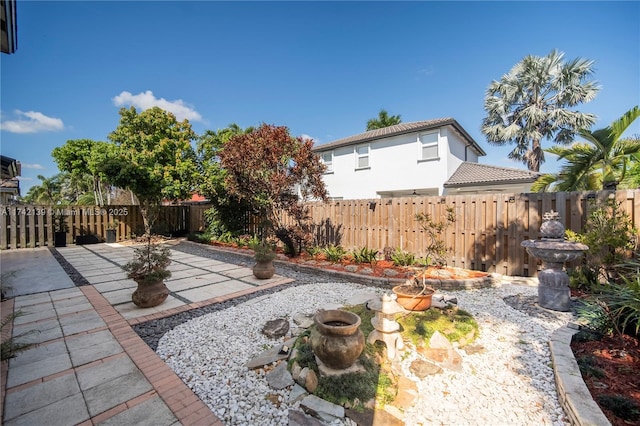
(364, 255)
(436, 246)
(402, 258)
(334, 253)
(610, 236)
(622, 407)
(314, 251)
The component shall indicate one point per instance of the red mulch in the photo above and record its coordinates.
(619, 358)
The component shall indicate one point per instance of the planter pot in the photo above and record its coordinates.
(413, 302)
(336, 338)
(111, 235)
(87, 239)
(264, 269)
(60, 239)
(149, 295)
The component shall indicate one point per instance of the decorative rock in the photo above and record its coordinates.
(474, 349)
(276, 328)
(267, 357)
(366, 271)
(295, 371)
(361, 298)
(373, 417)
(390, 273)
(297, 393)
(301, 376)
(438, 341)
(298, 418)
(407, 393)
(311, 381)
(279, 377)
(351, 268)
(422, 368)
(321, 409)
(303, 320)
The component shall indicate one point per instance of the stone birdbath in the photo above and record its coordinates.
(554, 251)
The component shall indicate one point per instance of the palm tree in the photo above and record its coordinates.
(599, 163)
(383, 120)
(530, 103)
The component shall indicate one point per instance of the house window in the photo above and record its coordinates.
(327, 159)
(429, 146)
(362, 157)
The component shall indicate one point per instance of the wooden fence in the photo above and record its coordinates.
(28, 226)
(486, 235)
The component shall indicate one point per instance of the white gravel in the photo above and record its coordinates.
(511, 383)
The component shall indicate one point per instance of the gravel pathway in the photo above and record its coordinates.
(511, 383)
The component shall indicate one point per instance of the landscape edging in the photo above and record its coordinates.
(573, 394)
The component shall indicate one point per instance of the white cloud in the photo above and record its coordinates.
(316, 141)
(35, 122)
(32, 166)
(147, 100)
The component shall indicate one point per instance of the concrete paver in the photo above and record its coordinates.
(89, 364)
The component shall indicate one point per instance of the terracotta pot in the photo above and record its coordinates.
(149, 295)
(413, 302)
(336, 338)
(263, 270)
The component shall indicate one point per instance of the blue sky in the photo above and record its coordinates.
(321, 68)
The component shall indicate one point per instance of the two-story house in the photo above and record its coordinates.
(416, 158)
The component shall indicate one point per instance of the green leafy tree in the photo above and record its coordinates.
(601, 162)
(226, 215)
(531, 103)
(274, 172)
(49, 191)
(81, 157)
(153, 158)
(383, 120)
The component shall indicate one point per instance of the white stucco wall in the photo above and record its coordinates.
(395, 165)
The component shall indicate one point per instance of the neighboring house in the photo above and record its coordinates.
(9, 183)
(402, 160)
(474, 178)
(417, 158)
(8, 27)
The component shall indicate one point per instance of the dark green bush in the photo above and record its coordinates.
(622, 407)
(364, 255)
(402, 258)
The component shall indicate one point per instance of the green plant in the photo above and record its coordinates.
(435, 229)
(611, 237)
(334, 253)
(588, 367)
(314, 251)
(5, 287)
(264, 251)
(149, 264)
(113, 225)
(9, 347)
(402, 258)
(59, 221)
(364, 255)
(620, 406)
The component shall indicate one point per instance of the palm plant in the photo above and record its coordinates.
(383, 120)
(530, 103)
(599, 163)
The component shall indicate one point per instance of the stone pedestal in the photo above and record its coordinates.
(553, 250)
(386, 329)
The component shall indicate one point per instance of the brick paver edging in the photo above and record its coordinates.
(181, 400)
(573, 394)
(6, 309)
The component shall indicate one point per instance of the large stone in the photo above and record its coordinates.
(422, 368)
(373, 418)
(434, 354)
(438, 341)
(303, 320)
(298, 418)
(407, 393)
(311, 381)
(321, 409)
(279, 377)
(270, 355)
(297, 393)
(351, 268)
(276, 328)
(474, 349)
